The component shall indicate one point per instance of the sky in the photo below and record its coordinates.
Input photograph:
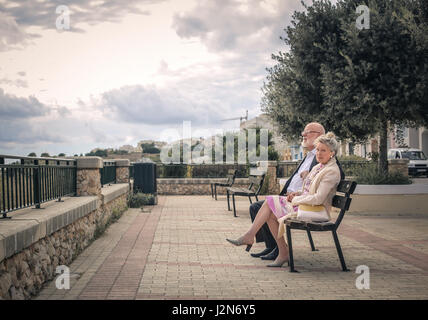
(98, 74)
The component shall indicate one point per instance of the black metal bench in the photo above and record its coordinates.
(342, 202)
(253, 190)
(231, 174)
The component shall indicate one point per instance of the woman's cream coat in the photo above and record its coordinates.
(321, 191)
(323, 187)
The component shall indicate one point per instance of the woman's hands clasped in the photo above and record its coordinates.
(291, 195)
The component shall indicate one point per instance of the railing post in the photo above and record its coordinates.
(270, 179)
(122, 171)
(37, 184)
(88, 177)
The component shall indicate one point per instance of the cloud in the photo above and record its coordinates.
(232, 25)
(13, 107)
(152, 105)
(11, 35)
(14, 20)
(24, 131)
(17, 83)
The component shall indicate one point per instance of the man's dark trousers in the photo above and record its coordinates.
(264, 233)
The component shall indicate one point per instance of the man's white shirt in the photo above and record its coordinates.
(297, 182)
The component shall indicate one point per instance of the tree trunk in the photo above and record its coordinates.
(383, 148)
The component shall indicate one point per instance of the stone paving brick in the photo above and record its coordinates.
(178, 251)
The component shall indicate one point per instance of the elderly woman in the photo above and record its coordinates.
(312, 203)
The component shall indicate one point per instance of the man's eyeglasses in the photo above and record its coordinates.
(308, 132)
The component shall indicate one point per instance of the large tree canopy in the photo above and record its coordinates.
(355, 82)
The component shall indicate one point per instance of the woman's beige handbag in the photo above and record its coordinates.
(312, 213)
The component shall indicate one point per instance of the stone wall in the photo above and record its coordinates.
(202, 186)
(88, 182)
(399, 165)
(23, 274)
(189, 186)
(33, 243)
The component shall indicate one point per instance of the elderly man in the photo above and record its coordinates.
(312, 131)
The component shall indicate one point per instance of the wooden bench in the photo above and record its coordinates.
(231, 174)
(253, 190)
(339, 201)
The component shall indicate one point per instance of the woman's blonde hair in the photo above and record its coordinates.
(329, 139)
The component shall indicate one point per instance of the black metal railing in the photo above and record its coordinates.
(285, 169)
(28, 181)
(131, 171)
(108, 173)
(350, 167)
(201, 170)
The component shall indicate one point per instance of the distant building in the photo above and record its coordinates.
(127, 148)
(412, 138)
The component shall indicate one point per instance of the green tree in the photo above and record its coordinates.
(357, 83)
(45, 154)
(61, 154)
(272, 153)
(99, 153)
(32, 154)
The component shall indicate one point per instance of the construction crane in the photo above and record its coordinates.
(239, 118)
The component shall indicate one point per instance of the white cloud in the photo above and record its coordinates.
(11, 35)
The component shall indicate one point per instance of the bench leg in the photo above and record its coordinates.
(234, 209)
(212, 191)
(310, 240)
(228, 202)
(215, 191)
(249, 197)
(290, 250)
(339, 251)
(257, 199)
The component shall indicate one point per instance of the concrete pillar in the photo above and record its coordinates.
(400, 165)
(270, 185)
(122, 170)
(88, 176)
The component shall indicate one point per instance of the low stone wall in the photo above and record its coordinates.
(34, 243)
(194, 186)
(202, 186)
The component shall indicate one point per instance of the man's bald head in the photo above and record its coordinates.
(312, 131)
(315, 126)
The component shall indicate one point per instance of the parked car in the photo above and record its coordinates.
(418, 163)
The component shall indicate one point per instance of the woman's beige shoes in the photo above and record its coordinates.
(240, 242)
(279, 264)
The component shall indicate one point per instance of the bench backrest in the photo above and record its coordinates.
(256, 183)
(343, 202)
(231, 174)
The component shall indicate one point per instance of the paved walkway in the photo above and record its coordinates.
(178, 251)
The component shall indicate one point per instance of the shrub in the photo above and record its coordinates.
(139, 199)
(351, 157)
(371, 175)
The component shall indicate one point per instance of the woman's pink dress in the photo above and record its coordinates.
(279, 205)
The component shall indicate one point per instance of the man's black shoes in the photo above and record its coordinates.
(271, 255)
(264, 252)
